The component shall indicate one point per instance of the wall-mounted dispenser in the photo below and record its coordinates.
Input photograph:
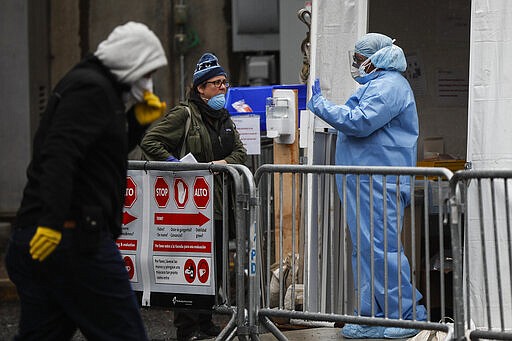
(280, 113)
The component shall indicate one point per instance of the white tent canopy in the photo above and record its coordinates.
(335, 27)
(489, 147)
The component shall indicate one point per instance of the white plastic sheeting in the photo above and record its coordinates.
(335, 27)
(489, 147)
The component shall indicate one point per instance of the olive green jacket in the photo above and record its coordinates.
(166, 137)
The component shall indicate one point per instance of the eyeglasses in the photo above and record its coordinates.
(217, 83)
(357, 60)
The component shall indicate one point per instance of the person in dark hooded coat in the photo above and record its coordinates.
(62, 255)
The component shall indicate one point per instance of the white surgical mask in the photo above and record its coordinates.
(139, 86)
(360, 75)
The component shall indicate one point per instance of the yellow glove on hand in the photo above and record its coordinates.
(44, 242)
(149, 110)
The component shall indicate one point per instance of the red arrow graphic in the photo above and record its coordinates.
(198, 219)
(128, 218)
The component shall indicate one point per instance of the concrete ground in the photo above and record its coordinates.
(158, 324)
(324, 333)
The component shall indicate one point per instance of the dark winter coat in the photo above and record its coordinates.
(166, 137)
(79, 163)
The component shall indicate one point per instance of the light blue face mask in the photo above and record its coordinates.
(217, 102)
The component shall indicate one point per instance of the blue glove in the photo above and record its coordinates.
(315, 89)
(172, 159)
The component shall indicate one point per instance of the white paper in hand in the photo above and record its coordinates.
(189, 158)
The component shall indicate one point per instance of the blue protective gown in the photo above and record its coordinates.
(377, 126)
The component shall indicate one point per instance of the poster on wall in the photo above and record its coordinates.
(452, 87)
(415, 74)
(248, 126)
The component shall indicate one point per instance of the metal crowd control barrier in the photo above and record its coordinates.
(241, 182)
(320, 272)
(482, 250)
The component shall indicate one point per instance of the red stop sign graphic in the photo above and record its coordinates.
(161, 192)
(180, 192)
(201, 192)
(131, 192)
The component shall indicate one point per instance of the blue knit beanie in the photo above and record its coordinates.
(207, 67)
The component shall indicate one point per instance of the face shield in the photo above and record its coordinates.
(358, 66)
(353, 64)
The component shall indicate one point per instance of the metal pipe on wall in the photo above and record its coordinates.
(180, 20)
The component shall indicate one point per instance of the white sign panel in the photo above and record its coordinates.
(167, 237)
(249, 128)
(181, 232)
(188, 271)
(129, 242)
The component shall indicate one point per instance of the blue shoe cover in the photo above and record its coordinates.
(399, 333)
(356, 331)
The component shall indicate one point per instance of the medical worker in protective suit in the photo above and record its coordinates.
(377, 126)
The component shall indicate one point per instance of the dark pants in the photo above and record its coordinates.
(187, 322)
(71, 289)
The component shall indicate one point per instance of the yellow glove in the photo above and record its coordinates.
(44, 242)
(149, 110)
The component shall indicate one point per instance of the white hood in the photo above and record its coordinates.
(131, 51)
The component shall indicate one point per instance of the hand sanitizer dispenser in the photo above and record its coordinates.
(280, 116)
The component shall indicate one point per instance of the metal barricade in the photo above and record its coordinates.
(311, 279)
(242, 184)
(482, 250)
